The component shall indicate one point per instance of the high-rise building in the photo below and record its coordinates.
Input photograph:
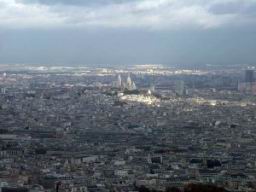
(249, 76)
(249, 84)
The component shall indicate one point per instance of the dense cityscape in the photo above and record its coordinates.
(127, 129)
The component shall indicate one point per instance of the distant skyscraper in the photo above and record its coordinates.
(249, 84)
(249, 76)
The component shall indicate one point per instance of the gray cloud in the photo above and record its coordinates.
(75, 2)
(127, 32)
(234, 7)
(150, 14)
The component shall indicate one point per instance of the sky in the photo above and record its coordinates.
(127, 32)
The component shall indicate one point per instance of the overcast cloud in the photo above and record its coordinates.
(152, 14)
(118, 32)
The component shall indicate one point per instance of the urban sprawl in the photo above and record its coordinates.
(138, 128)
